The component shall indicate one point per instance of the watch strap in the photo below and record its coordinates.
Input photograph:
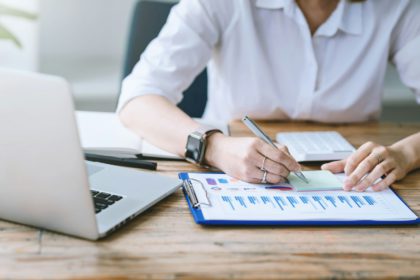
(206, 130)
(203, 132)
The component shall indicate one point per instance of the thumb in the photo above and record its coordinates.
(335, 166)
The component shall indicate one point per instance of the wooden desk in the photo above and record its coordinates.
(165, 242)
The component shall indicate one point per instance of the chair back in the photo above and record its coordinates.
(148, 19)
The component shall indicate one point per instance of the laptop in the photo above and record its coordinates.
(45, 181)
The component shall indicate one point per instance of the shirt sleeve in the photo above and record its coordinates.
(180, 52)
(405, 47)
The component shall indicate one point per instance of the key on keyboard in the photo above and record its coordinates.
(102, 200)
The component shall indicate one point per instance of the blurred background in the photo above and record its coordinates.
(86, 41)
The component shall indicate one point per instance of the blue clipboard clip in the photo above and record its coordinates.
(189, 189)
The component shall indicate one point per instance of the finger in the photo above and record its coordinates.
(283, 148)
(286, 150)
(361, 170)
(258, 176)
(357, 157)
(335, 166)
(274, 178)
(252, 174)
(386, 182)
(377, 172)
(275, 168)
(279, 155)
(270, 178)
(255, 159)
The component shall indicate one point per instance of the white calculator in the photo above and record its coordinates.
(316, 145)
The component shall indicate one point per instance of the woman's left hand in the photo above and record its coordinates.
(369, 163)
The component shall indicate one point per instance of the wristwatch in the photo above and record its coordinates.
(197, 144)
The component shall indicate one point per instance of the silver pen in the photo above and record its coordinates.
(259, 133)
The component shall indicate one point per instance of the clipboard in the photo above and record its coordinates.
(195, 205)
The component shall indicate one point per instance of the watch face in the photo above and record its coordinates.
(193, 149)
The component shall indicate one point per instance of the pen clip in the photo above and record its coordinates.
(258, 131)
(189, 189)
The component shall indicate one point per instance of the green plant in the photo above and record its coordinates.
(9, 11)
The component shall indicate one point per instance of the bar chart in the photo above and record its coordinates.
(307, 202)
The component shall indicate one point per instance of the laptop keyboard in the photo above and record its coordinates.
(103, 200)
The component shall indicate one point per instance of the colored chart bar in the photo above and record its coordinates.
(211, 181)
(318, 200)
(331, 200)
(344, 200)
(369, 200)
(304, 199)
(356, 200)
(278, 201)
(282, 201)
(292, 201)
(241, 201)
(252, 200)
(265, 199)
(229, 201)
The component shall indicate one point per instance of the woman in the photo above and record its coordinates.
(320, 60)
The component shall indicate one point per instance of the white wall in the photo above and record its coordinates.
(24, 57)
(85, 41)
(81, 28)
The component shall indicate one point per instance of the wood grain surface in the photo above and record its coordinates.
(165, 243)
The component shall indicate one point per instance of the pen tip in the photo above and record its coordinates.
(301, 176)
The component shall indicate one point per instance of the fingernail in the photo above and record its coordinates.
(347, 188)
(358, 189)
(348, 183)
(376, 189)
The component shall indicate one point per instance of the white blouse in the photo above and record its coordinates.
(263, 62)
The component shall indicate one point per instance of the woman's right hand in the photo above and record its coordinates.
(246, 158)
